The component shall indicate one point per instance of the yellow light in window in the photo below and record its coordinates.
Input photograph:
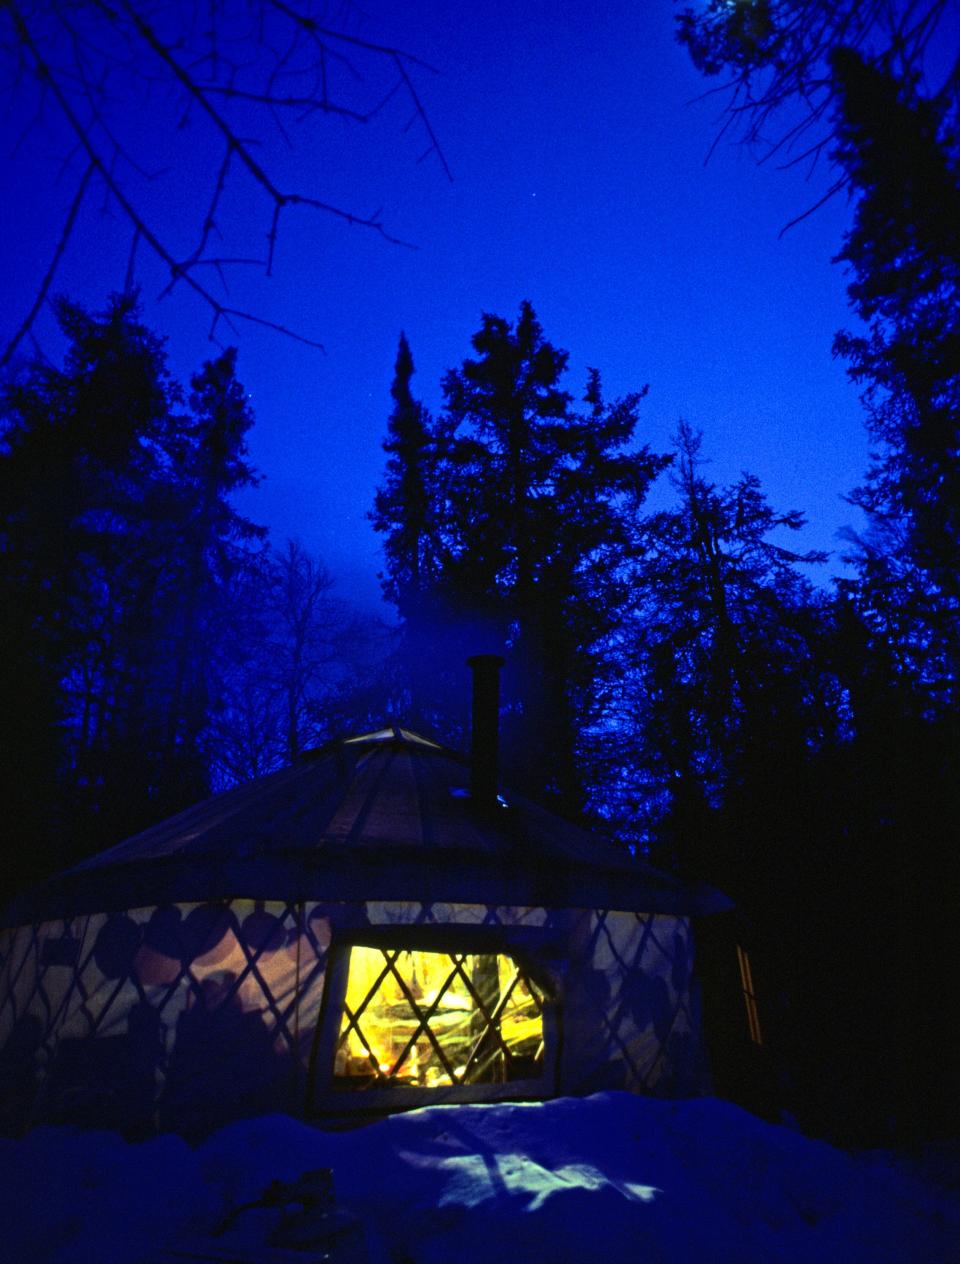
(429, 1019)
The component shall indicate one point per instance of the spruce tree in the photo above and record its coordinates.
(526, 506)
(407, 510)
(86, 531)
(117, 535)
(402, 507)
(898, 621)
(722, 656)
(903, 250)
(213, 540)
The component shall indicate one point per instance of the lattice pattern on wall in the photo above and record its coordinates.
(152, 1015)
(187, 1016)
(649, 1017)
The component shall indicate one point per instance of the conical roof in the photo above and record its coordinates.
(385, 815)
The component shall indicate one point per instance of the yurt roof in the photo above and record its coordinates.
(382, 816)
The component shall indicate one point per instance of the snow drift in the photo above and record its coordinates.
(571, 1181)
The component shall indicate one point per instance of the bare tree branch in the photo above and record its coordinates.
(196, 63)
(797, 219)
(41, 294)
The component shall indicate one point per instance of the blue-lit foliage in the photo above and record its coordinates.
(718, 653)
(903, 251)
(295, 666)
(118, 541)
(844, 860)
(509, 519)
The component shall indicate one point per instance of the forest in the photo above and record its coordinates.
(677, 675)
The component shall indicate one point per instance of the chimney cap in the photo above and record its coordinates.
(478, 660)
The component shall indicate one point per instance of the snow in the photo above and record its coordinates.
(569, 1181)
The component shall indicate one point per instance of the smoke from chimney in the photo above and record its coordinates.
(485, 740)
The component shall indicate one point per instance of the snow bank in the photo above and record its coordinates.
(570, 1181)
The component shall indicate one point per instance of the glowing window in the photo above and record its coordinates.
(434, 1020)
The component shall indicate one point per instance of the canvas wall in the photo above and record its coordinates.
(185, 1017)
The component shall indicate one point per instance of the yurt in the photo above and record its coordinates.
(373, 928)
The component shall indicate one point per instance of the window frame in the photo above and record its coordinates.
(749, 993)
(529, 947)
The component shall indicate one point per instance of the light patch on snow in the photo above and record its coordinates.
(613, 1176)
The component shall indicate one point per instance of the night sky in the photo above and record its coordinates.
(577, 151)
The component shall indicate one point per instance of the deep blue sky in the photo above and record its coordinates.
(579, 183)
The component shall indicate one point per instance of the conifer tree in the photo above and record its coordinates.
(898, 623)
(528, 513)
(213, 539)
(116, 535)
(402, 507)
(407, 509)
(721, 653)
(904, 254)
(84, 500)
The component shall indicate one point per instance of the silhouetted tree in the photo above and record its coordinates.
(860, 923)
(898, 625)
(408, 510)
(118, 537)
(775, 55)
(904, 254)
(527, 508)
(214, 540)
(83, 477)
(403, 507)
(721, 660)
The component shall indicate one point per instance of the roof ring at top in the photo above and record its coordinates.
(392, 734)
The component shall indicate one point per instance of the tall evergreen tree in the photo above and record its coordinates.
(904, 254)
(898, 639)
(82, 474)
(877, 874)
(403, 508)
(407, 509)
(527, 508)
(213, 537)
(721, 655)
(116, 531)
(508, 410)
